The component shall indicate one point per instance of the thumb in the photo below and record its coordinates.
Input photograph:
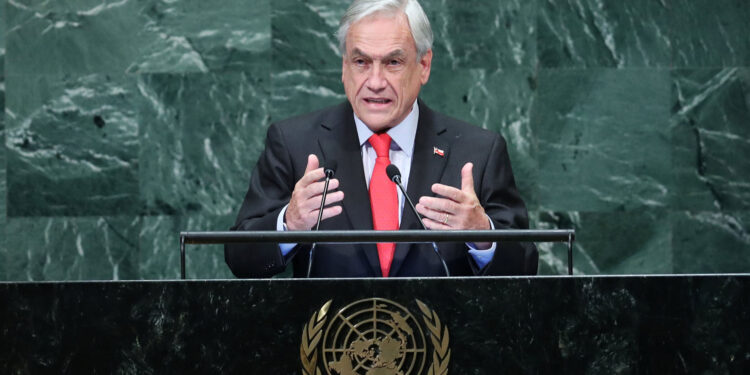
(467, 179)
(312, 163)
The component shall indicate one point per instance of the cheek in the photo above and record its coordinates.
(350, 84)
(408, 81)
(355, 81)
(400, 83)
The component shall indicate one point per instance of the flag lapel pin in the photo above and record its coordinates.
(438, 152)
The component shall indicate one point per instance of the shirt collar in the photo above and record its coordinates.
(402, 134)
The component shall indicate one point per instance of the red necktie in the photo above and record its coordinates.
(383, 199)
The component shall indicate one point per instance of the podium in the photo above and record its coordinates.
(498, 325)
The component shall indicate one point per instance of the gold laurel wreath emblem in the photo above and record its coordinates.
(441, 355)
(312, 334)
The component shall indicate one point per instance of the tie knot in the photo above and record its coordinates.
(381, 143)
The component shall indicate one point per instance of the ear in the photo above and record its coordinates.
(426, 64)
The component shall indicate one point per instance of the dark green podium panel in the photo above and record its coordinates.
(550, 325)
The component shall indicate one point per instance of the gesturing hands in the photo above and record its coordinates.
(455, 208)
(452, 209)
(302, 212)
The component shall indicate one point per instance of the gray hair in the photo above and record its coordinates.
(418, 22)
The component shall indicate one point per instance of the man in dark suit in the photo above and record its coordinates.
(461, 173)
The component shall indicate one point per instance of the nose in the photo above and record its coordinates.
(376, 81)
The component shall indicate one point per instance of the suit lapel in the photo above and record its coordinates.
(427, 168)
(339, 141)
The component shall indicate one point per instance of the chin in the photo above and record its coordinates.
(376, 123)
(377, 127)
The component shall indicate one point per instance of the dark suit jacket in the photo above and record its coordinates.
(331, 134)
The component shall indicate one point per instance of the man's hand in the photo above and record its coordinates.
(454, 208)
(302, 212)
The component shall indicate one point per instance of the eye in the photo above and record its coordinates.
(360, 62)
(394, 63)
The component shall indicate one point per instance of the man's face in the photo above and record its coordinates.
(380, 71)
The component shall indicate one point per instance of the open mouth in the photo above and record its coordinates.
(377, 100)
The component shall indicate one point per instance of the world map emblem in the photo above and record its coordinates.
(374, 336)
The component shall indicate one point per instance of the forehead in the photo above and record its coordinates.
(380, 34)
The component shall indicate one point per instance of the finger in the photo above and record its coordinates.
(311, 218)
(311, 177)
(448, 192)
(440, 204)
(467, 179)
(316, 188)
(314, 203)
(313, 172)
(428, 213)
(330, 212)
(434, 225)
(334, 198)
(312, 163)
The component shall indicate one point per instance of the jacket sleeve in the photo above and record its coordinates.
(270, 189)
(503, 204)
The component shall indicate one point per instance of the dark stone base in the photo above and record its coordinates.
(561, 325)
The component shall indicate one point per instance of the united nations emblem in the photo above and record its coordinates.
(374, 336)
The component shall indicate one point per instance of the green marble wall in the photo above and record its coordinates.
(128, 121)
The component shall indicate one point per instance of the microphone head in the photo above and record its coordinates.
(330, 168)
(393, 172)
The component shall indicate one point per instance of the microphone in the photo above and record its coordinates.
(395, 175)
(329, 170)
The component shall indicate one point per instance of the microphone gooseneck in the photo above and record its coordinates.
(395, 175)
(330, 171)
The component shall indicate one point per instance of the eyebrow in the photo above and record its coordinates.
(396, 53)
